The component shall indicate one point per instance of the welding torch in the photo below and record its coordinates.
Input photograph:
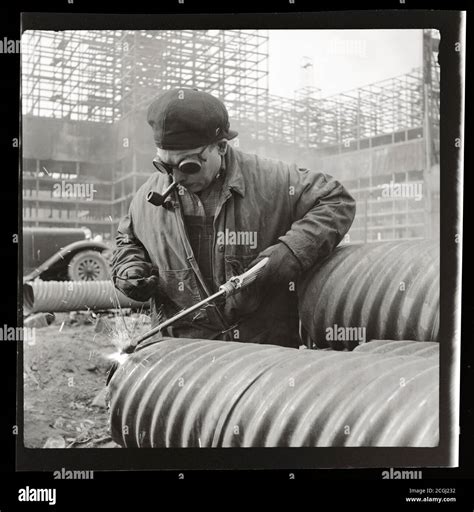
(232, 286)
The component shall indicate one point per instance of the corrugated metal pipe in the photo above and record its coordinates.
(54, 296)
(203, 393)
(387, 290)
(400, 348)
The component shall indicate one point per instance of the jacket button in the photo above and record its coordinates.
(220, 248)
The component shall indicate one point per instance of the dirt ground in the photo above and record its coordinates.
(65, 371)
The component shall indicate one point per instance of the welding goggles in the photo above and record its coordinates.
(190, 164)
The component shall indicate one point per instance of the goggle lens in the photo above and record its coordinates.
(163, 168)
(190, 166)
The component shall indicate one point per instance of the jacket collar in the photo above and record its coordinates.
(234, 179)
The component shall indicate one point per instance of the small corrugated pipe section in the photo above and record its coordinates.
(204, 393)
(55, 296)
(389, 290)
(400, 348)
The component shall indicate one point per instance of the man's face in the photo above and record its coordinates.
(200, 180)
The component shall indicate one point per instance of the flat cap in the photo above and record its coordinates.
(188, 119)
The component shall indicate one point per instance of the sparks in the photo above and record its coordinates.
(118, 356)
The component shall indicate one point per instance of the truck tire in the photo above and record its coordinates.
(88, 266)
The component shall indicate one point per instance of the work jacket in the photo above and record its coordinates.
(263, 202)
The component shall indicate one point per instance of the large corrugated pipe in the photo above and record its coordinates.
(400, 348)
(54, 296)
(388, 289)
(202, 393)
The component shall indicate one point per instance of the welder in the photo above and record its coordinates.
(211, 212)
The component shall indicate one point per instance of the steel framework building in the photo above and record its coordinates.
(89, 91)
(106, 75)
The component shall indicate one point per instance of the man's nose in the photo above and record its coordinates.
(179, 176)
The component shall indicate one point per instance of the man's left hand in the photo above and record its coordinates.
(282, 266)
(281, 269)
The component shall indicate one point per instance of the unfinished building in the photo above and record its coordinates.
(84, 100)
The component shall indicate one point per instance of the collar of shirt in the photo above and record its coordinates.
(206, 203)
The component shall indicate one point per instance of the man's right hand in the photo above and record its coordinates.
(138, 282)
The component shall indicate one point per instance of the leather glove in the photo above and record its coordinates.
(138, 282)
(282, 268)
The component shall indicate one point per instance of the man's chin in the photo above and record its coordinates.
(194, 187)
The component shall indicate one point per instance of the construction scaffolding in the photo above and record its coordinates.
(89, 91)
(106, 75)
(69, 75)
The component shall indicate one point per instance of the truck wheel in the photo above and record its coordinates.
(88, 266)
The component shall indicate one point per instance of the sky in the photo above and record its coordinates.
(342, 59)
